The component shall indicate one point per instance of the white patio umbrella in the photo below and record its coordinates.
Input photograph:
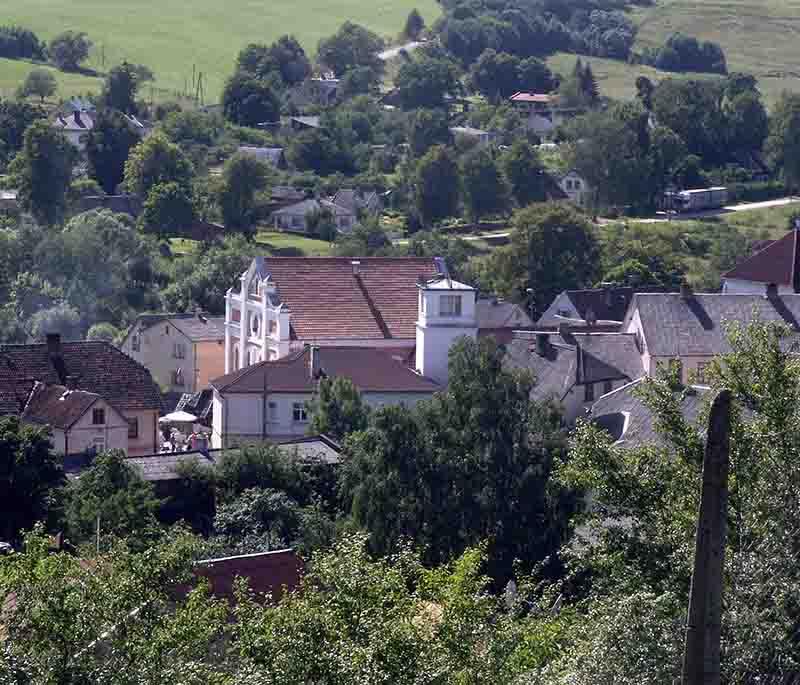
(178, 417)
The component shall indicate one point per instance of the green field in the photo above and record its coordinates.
(13, 72)
(616, 79)
(170, 36)
(758, 36)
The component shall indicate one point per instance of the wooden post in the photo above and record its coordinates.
(701, 660)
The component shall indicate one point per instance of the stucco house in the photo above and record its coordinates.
(81, 422)
(95, 367)
(183, 352)
(574, 369)
(543, 112)
(270, 400)
(776, 263)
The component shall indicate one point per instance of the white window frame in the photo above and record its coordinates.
(273, 415)
(299, 410)
(179, 350)
(453, 308)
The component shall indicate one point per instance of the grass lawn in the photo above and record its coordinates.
(170, 37)
(292, 245)
(772, 221)
(616, 79)
(13, 73)
(758, 36)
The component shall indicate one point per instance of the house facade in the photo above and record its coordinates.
(285, 303)
(81, 422)
(95, 367)
(542, 112)
(270, 400)
(183, 352)
(577, 189)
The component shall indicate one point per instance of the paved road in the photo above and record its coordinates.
(394, 52)
(744, 207)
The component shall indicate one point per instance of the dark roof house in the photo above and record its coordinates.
(690, 324)
(57, 405)
(94, 366)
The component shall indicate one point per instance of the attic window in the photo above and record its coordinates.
(135, 343)
(450, 305)
(98, 417)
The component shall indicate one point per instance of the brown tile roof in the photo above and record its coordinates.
(265, 573)
(96, 366)
(57, 406)
(328, 302)
(778, 263)
(370, 369)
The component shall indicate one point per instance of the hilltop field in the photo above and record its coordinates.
(758, 36)
(170, 36)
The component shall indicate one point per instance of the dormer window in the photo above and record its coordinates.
(450, 305)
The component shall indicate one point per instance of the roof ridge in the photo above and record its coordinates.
(284, 361)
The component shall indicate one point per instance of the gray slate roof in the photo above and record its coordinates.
(631, 422)
(198, 330)
(310, 206)
(493, 313)
(574, 359)
(165, 467)
(676, 326)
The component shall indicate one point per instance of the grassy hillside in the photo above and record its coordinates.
(758, 36)
(170, 36)
(615, 79)
(13, 72)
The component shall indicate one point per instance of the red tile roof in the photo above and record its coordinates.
(96, 366)
(778, 263)
(57, 406)
(265, 573)
(327, 301)
(370, 369)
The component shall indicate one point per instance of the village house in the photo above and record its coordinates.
(574, 369)
(183, 352)
(576, 188)
(688, 329)
(295, 218)
(76, 123)
(601, 309)
(358, 202)
(631, 423)
(542, 112)
(110, 379)
(322, 91)
(499, 318)
(286, 303)
(81, 422)
(776, 263)
(274, 156)
(270, 400)
(481, 137)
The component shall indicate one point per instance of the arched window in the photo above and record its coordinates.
(236, 358)
(255, 323)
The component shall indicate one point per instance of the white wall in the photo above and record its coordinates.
(81, 436)
(736, 286)
(635, 327)
(157, 354)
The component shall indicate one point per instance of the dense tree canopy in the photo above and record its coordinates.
(156, 160)
(39, 83)
(68, 49)
(436, 185)
(249, 101)
(108, 145)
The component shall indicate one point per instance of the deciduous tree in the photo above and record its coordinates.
(436, 185)
(108, 145)
(68, 49)
(156, 160)
(39, 83)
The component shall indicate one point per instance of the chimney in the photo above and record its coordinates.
(542, 344)
(686, 291)
(314, 362)
(356, 267)
(772, 291)
(54, 345)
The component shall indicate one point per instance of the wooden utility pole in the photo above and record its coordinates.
(701, 659)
